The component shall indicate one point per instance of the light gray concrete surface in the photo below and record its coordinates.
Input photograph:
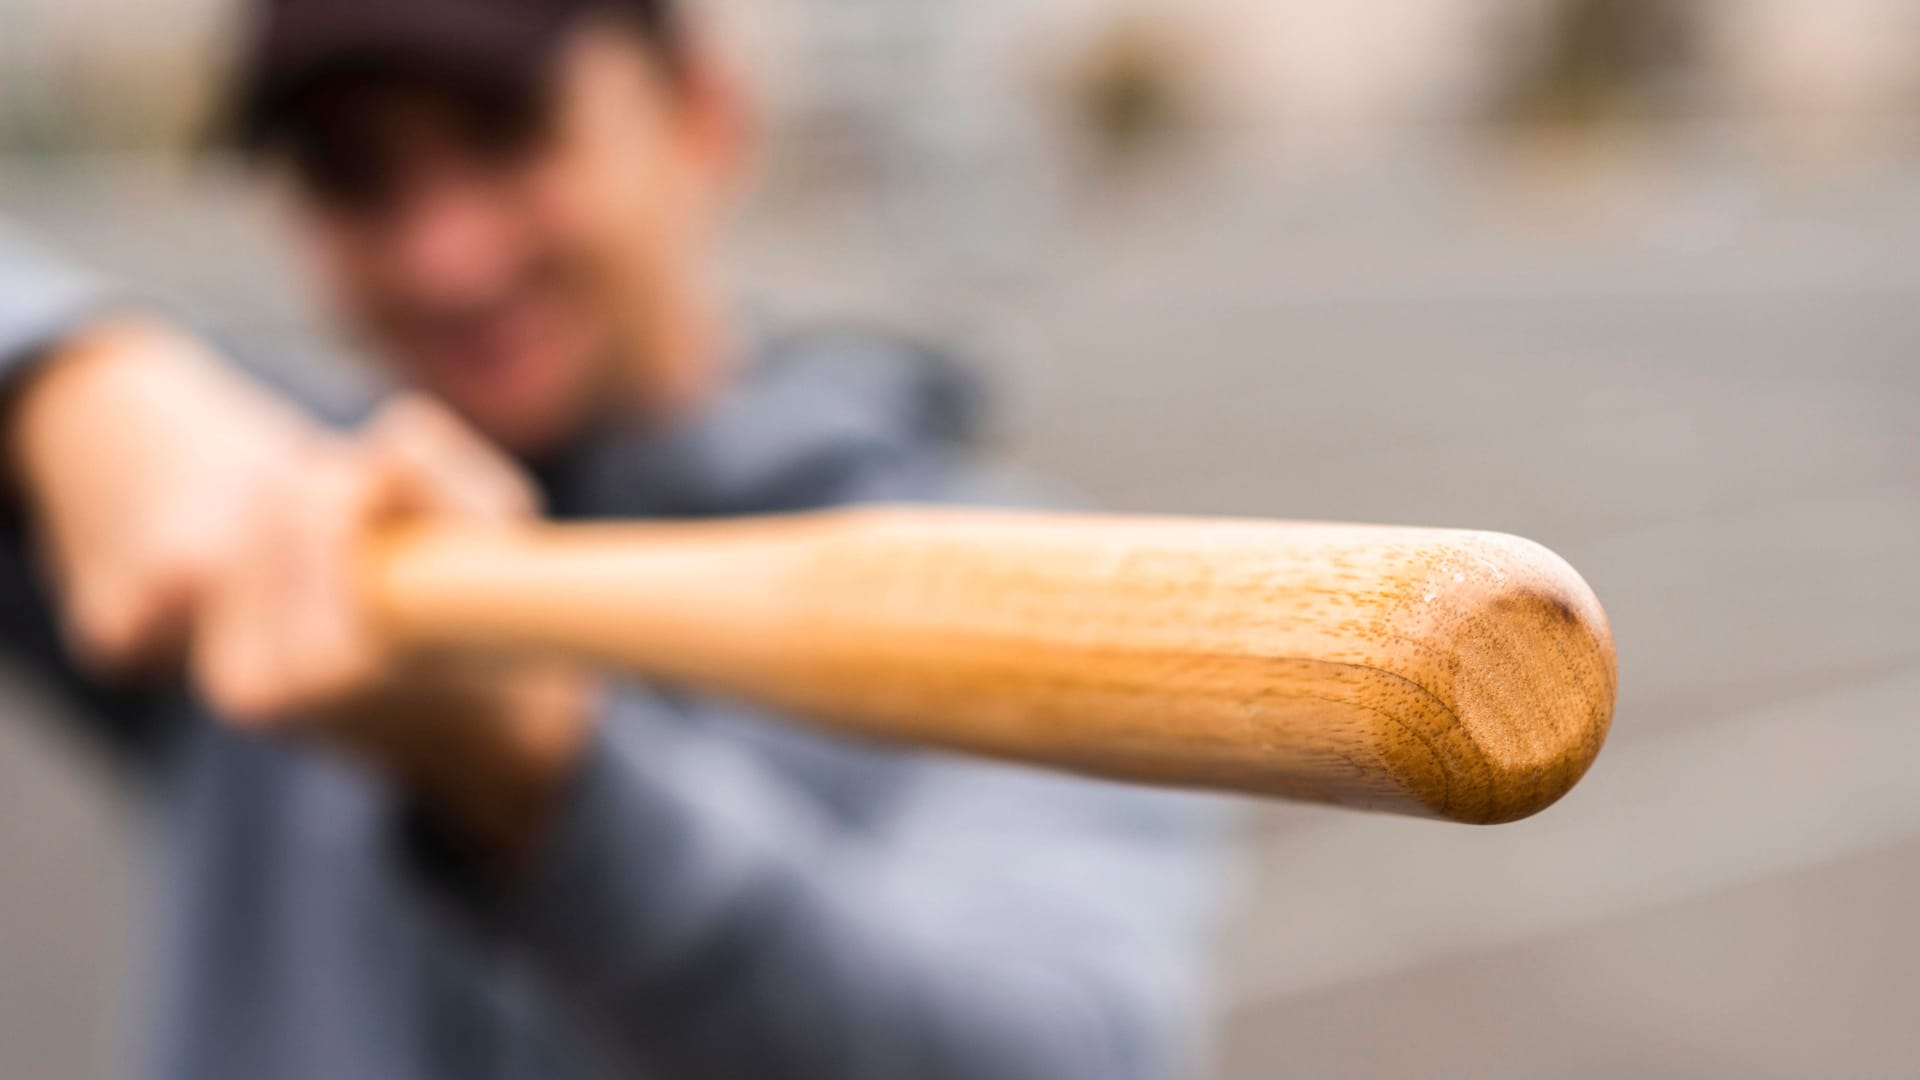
(66, 888)
(1693, 374)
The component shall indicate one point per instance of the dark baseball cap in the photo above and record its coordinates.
(292, 47)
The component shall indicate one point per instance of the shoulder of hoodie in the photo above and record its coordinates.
(847, 413)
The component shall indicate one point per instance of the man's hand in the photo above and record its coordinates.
(192, 520)
(137, 454)
(281, 643)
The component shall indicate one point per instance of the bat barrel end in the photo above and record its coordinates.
(1528, 674)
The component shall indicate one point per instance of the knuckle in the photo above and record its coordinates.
(238, 693)
(113, 621)
(429, 461)
(252, 694)
(413, 420)
(322, 683)
(518, 501)
(404, 411)
(340, 677)
(105, 631)
(182, 560)
(339, 490)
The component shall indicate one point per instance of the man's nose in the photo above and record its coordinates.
(452, 242)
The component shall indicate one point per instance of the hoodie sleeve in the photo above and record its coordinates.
(43, 300)
(701, 915)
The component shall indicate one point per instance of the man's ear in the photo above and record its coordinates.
(716, 112)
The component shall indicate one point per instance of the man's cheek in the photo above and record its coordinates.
(602, 283)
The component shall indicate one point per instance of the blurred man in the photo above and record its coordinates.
(385, 865)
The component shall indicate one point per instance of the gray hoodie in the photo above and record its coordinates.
(722, 895)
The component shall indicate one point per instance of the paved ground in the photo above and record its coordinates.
(1692, 376)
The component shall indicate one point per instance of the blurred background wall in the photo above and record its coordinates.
(1632, 277)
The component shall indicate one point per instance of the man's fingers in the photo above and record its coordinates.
(440, 466)
(235, 653)
(281, 633)
(336, 648)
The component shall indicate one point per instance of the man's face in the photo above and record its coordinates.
(521, 263)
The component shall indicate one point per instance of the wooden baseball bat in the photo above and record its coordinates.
(1459, 675)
